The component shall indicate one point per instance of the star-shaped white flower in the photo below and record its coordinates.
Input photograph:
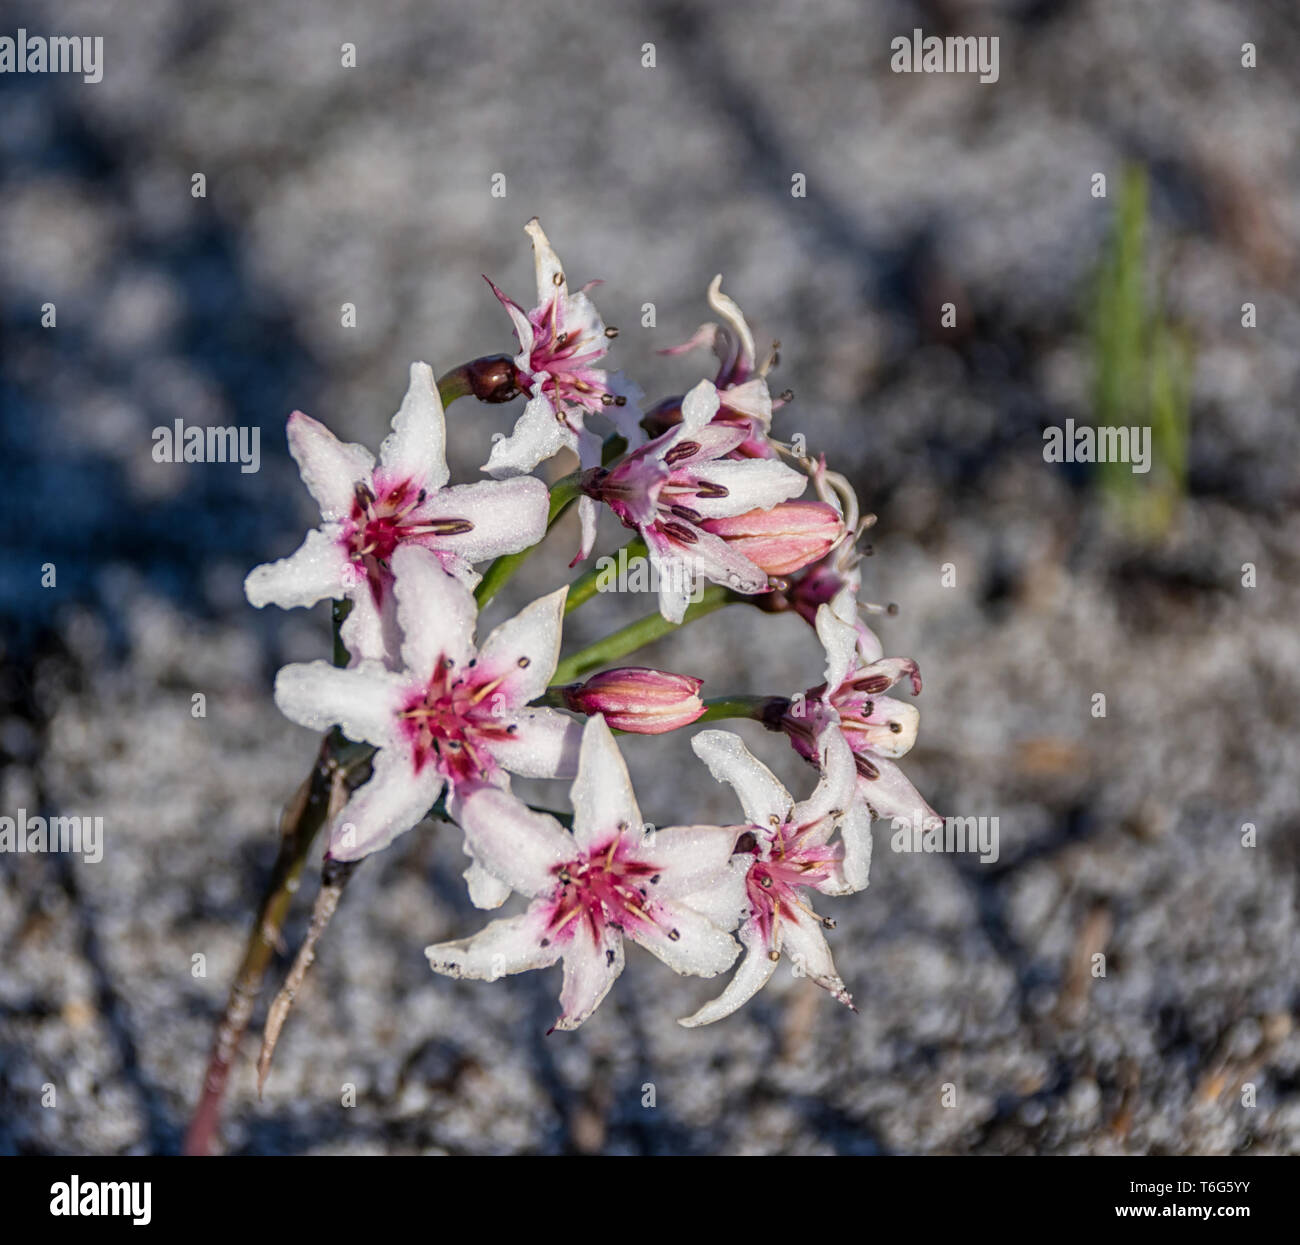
(561, 340)
(789, 852)
(667, 488)
(452, 717)
(877, 727)
(670, 890)
(369, 510)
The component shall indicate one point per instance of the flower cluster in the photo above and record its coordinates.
(447, 719)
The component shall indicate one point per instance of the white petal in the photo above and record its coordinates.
(840, 640)
(753, 398)
(537, 436)
(549, 271)
(891, 796)
(765, 801)
(389, 803)
(754, 973)
(512, 945)
(363, 701)
(835, 790)
(879, 735)
(317, 569)
(526, 648)
(330, 468)
(687, 858)
(727, 308)
(545, 744)
(521, 847)
(686, 941)
(370, 631)
(486, 890)
(508, 515)
(718, 561)
(416, 449)
(676, 583)
(725, 901)
(588, 512)
(698, 407)
(751, 484)
(590, 968)
(854, 869)
(804, 944)
(602, 793)
(437, 614)
(626, 418)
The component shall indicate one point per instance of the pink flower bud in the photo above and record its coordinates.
(633, 698)
(784, 539)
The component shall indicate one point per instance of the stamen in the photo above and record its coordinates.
(683, 449)
(680, 532)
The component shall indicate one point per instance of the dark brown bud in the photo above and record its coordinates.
(663, 416)
(493, 378)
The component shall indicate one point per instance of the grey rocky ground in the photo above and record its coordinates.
(370, 185)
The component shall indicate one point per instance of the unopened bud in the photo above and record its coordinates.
(493, 378)
(784, 539)
(637, 699)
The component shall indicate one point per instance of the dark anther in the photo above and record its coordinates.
(679, 531)
(685, 512)
(712, 491)
(620, 400)
(525, 662)
(611, 332)
(558, 279)
(896, 727)
(683, 449)
(674, 935)
(746, 843)
(450, 527)
(609, 957)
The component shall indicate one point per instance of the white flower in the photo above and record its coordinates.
(667, 488)
(560, 342)
(369, 510)
(789, 853)
(452, 717)
(670, 890)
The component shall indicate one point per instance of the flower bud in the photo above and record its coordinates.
(784, 539)
(636, 699)
(494, 378)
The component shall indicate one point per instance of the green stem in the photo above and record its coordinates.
(636, 635)
(587, 584)
(719, 708)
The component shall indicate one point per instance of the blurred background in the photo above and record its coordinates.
(1120, 836)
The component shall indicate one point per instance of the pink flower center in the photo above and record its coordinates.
(603, 887)
(455, 721)
(566, 355)
(379, 523)
(772, 885)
